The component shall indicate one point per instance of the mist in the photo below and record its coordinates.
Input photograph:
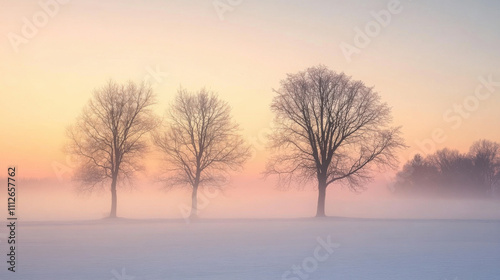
(244, 198)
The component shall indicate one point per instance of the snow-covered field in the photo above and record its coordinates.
(257, 249)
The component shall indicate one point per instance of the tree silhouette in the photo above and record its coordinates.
(200, 142)
(329, 128)
(485, 156)
(108, 136)
(417, 172)
(451, 173)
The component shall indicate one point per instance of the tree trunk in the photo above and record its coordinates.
(320, 212)
(194, 203)
(112, 214)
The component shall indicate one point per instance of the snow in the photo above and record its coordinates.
(256, 249)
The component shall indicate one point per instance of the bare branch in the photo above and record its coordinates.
(330, 128)
(108, 138)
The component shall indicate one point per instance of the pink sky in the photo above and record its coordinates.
(423, 65)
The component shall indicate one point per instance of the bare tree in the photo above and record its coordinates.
(200, 142)
(329, 128)
(485, 155)
(450, 173)
(108, 137)
(417, 175)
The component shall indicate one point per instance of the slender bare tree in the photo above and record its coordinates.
(109, 136)
(201, 143)
(329, 128)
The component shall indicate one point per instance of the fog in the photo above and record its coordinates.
(249, 231)
(244, 198)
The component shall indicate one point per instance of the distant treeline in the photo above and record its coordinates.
(450, 173)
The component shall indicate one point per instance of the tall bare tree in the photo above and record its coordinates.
(201, 143)
(109, 136)
(329, 128)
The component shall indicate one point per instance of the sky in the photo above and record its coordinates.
(429, 61)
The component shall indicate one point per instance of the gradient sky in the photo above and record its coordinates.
(427, 59)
